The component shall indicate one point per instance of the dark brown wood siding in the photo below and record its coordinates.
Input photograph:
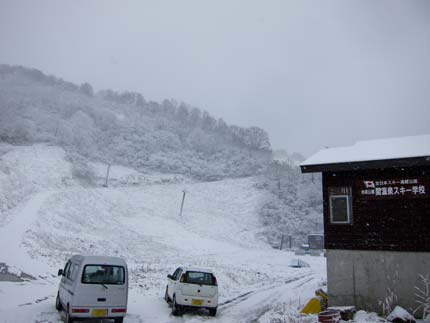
(399, 223)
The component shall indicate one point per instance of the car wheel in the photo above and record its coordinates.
(68, 318)
(176, 309)
(212, 311)
(119, 320)
(58, 305)
(166, 296)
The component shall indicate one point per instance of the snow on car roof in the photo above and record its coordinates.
(371, 150)
(198, 269)
(102, 260)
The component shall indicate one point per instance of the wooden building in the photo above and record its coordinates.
(376, 220)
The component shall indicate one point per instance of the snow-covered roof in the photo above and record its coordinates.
(373, 150)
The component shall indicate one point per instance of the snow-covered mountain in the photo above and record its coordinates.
(124, 128)
(144, 136)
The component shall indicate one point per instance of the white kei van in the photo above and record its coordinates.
(93, 287)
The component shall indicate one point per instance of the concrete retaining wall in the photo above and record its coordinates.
(362, 278)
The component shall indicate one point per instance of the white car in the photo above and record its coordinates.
(93, 287)
(192, 287)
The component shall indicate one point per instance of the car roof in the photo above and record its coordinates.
(198, 269)
(98, 260)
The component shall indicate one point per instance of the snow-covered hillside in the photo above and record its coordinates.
(124, 128)
(25, 170)
(140, 222)
(142, 140)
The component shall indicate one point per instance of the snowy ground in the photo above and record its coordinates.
(219, 229)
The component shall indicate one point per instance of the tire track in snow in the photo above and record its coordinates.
(250, 307)
(245, 296)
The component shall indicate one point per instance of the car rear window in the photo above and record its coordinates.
(200, 278)
(103, 274)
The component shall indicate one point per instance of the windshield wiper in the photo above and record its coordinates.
(104, 286)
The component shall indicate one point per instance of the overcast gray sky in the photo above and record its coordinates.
(312, 73)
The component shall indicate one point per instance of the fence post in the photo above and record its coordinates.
(107, 176)
(282, 243)
(182, 204)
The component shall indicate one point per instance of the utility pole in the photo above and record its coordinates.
(107, 176)
(182, 204)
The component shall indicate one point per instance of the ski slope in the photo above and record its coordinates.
(219, 228)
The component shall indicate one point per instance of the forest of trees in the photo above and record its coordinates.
(294, 205)
(126, 129)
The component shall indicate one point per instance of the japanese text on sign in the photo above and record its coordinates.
(402, 187)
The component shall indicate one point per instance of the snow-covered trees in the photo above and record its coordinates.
(126, 129)
(294, 206)
(86, 89)
(256, 138)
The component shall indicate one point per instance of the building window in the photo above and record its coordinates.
(340, 205)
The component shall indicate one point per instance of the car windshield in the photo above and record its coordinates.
(103, 274)
(200, 278)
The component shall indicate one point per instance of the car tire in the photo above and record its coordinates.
(68, 319)
(176, 309)
(166, 296)
(119, 320)
(58, 305)
(212, 311)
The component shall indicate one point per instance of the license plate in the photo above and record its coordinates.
(99, 313)
(197, 302)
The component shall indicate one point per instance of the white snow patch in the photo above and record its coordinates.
(401, 313)
(367, 317)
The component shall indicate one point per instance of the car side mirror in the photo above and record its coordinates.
(170, 277)
(60, 272)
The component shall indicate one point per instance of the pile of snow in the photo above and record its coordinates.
(367, 317)
(399, 314)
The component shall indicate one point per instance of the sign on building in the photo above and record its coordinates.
(392, 188)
